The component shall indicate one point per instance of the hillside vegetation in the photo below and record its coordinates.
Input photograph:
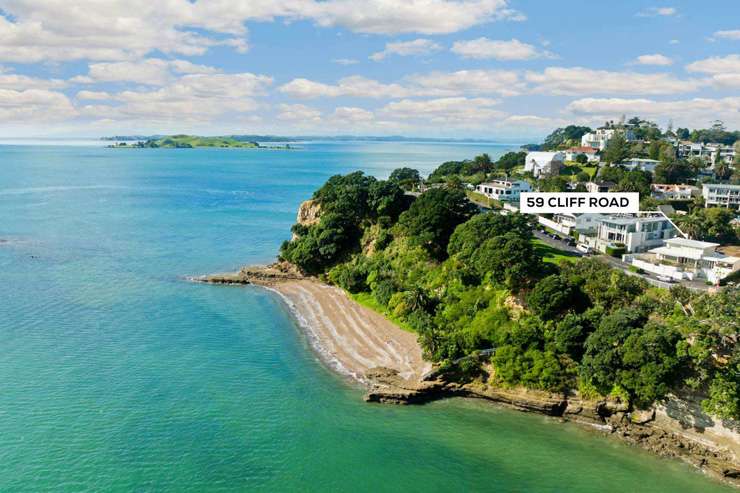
(466, 281)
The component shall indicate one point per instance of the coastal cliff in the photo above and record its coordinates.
(677, 428)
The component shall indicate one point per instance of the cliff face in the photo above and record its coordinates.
(308, 213)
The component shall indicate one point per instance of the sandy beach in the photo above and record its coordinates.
(350, 337)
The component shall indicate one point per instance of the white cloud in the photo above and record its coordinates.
(716, 65)
(192, 98)
(654, 59)
(658, 11)
(356, 86)
(725, 71)
(22, 82)
(152, 71)
(501, 82)
(484, 48)
(351, 114)
(674, 42)
(698, 112)
(733, 34)
(34, 105)
(94, 95)
(118, 30)
(345, 61)
(419, 46)
(453, 111)
(298, 113)
(578, 81)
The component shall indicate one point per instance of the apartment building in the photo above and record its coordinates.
(721, 195)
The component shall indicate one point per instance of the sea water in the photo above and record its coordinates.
(116, 374)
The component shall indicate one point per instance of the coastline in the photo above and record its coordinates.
(345, 336)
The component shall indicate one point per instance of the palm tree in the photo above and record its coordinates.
(722, 170)
(691, 225)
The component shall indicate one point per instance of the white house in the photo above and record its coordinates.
(681, 258)
(504, 189)
(591, 154)
(662, 191)
(567, 223)
(707, 152)
(600, 137)
(721, 195)
(544, 163)
(640, 164)
(631, 232)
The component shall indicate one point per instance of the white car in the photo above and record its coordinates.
(583, 248)
(665, 279)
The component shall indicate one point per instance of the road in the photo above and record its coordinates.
(559, 244)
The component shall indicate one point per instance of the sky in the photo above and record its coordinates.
(505, 70)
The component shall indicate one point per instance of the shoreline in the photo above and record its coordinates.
(341, 342)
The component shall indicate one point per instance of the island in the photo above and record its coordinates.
(182, 141)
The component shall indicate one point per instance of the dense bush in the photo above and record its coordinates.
(459, 279)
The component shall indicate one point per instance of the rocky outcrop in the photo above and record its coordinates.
(647, 428)
(259, 275)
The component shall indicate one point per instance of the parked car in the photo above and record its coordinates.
(666, 279)
(570, 242)
(583, 248)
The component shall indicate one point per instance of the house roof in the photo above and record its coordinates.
(685, 242)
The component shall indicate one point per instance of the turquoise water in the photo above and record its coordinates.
(117, 375)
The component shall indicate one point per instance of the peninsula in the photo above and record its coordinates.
(409, 287)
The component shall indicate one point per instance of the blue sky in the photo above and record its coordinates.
(505, 70)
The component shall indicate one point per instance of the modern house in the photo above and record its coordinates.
(682, 259)
(544, 163)
(600, 137)
(504, 189)
(706, 152)
(566, 224)
(600, 186)
(637, 163)
(662, 191)
(591, 154)
(630, 232)
(721, 195)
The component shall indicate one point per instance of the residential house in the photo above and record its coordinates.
(600, 137)
(631, 232)
(662, 191)
(600, 186)
(681, 258)
(637, 163)
(721, 195)
(591, 153)
(706, 152)
(544, 163)
(569, 223)
(504, 189)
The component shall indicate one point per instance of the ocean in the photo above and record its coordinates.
(116, 374)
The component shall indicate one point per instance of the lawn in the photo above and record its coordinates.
(551, 254)
(573, 169)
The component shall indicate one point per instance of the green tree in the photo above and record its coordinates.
(406, 178)
(617, 150)
(509, 260)
(433, 217)
(554, 295)
(581, 159)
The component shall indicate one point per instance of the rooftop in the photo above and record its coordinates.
(685, 242)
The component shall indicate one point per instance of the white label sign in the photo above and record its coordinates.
(579, 202)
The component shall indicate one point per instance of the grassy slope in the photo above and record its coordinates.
(367, 300)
